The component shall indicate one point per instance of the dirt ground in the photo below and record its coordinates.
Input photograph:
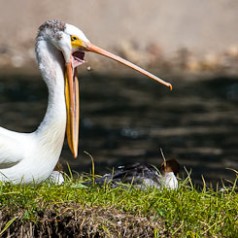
(73, 220)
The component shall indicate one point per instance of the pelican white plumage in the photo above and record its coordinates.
(31, 157)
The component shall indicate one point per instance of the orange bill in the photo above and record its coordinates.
(93, 48)
(72, 108)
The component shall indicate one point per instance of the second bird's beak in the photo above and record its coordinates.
(72, 89)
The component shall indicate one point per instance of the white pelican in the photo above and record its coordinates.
(31, 157)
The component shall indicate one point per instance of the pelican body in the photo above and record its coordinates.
(31, 157)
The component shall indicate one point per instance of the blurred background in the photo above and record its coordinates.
(126, 118)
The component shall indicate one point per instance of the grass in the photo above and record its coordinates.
(72, 210)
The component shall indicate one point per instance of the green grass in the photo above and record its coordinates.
(119, 212)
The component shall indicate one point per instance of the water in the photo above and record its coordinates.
(126, 120)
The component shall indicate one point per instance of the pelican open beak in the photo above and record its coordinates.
(72, 107)
(72, 87)
(93, 48)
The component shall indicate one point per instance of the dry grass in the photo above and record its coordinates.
(72, 210)
(75, 220)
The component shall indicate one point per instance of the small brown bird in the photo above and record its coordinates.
(143, 176)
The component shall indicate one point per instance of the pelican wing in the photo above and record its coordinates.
(11, 148)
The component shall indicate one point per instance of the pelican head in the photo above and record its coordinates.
(73, 44)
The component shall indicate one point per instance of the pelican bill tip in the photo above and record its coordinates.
(170, 87)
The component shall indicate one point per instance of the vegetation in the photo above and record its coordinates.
(74, 210)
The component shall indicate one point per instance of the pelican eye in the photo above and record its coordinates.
(74, 38)
(76, 42)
